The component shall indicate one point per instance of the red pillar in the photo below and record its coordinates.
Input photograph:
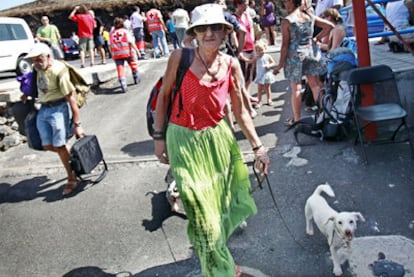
(364, 58)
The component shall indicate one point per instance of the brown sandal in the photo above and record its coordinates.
(70, 187)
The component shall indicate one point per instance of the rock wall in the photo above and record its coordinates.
(9, 129)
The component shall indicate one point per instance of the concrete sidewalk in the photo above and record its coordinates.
(126, 228)
(125, 223)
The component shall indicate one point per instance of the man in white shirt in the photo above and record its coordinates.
(181, 19)
(137, 20)
(398, 15)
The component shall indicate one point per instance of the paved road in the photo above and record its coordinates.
(123, 224)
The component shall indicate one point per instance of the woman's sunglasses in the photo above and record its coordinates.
(213, 28)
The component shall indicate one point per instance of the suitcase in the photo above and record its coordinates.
(86, 154)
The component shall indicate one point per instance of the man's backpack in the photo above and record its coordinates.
(82, 88)
(186, 59)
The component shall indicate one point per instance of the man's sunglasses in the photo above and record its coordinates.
(213, 28)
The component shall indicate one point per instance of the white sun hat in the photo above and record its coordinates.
(208, 14)
(38, 49)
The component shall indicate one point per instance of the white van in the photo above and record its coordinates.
(16, 40)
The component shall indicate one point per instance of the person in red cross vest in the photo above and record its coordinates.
(123, 49)
(156, 27)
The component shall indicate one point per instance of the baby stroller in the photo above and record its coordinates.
(333, 117)
(336, 96)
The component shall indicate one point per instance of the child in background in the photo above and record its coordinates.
(171, 30)
(264, 74)
(105, 36)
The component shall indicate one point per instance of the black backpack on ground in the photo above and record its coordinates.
(85, 155)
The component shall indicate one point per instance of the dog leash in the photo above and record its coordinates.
(260, 180)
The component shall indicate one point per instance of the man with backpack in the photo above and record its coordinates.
(59, 112)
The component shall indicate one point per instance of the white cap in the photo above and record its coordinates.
(208, 14)
(38, 49)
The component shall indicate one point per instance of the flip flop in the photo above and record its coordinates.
(70, 187)
(289, 122)
(238, 271)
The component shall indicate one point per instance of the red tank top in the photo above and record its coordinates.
(203, 103)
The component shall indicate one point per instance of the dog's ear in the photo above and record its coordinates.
(359, 216)
(331, 218)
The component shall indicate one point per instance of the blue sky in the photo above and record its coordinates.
(5, 4)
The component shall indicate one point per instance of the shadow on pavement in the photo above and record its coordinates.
(139, 148)
(161, 210)
(38, 187)
(93, 271)
(185, 268)
(31, 189)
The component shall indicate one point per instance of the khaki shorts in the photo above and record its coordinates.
(86, 44)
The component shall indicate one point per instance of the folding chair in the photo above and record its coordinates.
(387, 108)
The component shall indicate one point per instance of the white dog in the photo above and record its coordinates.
(173, 196)
(172, 193)
(338, 227)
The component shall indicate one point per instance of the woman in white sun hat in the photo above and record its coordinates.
(206, 160)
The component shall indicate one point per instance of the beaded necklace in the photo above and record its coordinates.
(211, 74)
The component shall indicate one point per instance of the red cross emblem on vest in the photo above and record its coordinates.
(117, 36)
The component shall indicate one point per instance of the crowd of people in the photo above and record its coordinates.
(262, 22)
(199, 145)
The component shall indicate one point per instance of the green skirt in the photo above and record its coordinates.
(214, 187)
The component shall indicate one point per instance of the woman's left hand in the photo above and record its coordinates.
(161, 151)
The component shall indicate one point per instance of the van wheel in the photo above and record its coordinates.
(23, 66)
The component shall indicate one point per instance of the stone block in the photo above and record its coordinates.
(10, 96)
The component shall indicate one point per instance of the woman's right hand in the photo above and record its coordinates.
(262, 160)
(161, 151)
